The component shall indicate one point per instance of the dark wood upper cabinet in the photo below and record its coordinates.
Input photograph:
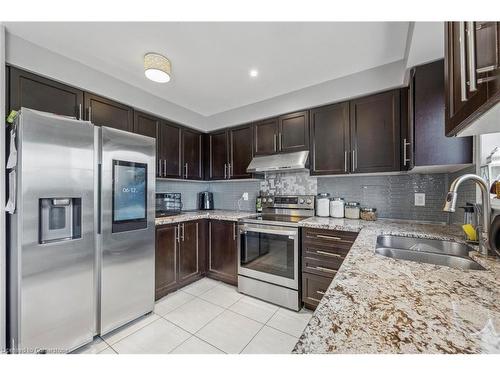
(293, 132)
(431, 147)
(472, 72)
(192, 151)
(105, 112)
(218, 154)
(145, 124)
(222, 251)
(165, 260)
(375, 133)
(169, 150)
(32, 91)
(330, 139)
(240, 151)
(265, 137)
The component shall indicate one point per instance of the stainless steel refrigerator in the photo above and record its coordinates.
(81, 247)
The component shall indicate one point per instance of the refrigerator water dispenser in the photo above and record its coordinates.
(60, 219)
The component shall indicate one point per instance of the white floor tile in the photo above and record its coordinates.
(194, 314)
(92, 348)
(229, 332)
(201, 286)
(129, 328)
(222, 295)
(171, 302)
(290, 322)
(271, 341)
(254, 308)
(108, 350)
(158, 337)
(194, 345)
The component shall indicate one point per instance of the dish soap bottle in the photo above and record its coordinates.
(258, 203)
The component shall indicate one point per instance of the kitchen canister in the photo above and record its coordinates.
(323, 204)
(352, 210)
(337, 207)
(368, 214)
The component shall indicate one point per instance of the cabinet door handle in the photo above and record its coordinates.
(345, 161)
(280, 140)
(186, 170)
(471, 53)
(329, 237)
(328, 254)
(164, 168)
(461, 38)
(234, 231)
(274, 142)
(229, 172)
(225, 171)
(183, 232)
(158, 168)
(405, 156)
(353, 165)
(324, 269)
(320, 292)
(90, 113)
(176, 233)
(80, 112)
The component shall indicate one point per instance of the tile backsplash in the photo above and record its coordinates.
(392, 195)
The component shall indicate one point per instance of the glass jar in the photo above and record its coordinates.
(352, 210)
(368, 214)
(323, 204)
(337, 207)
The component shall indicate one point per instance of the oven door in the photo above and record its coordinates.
(269, 253)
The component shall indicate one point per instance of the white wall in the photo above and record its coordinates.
(29, 56)
(426, 44)
(2, 193)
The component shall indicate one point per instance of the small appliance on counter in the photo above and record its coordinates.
(205, 200)
(168, 204)
(323, 204)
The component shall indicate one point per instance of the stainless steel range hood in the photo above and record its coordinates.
(293, 161)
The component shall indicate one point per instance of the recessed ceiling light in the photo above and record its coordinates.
(254, 73)
(157, 67)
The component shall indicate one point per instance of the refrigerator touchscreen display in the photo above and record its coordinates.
(129, 195)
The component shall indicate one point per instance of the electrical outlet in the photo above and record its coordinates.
(245, 196)
(419, 199)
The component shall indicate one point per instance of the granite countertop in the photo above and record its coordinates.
(196, 215)
(377, 304)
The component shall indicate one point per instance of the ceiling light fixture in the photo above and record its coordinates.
(254, 73)
(157, 67)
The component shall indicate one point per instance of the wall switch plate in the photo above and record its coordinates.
(419, 199)
(245, 196)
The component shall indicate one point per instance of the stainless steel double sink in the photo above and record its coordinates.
(423, 250)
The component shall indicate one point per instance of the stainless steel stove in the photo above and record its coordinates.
(268, 250)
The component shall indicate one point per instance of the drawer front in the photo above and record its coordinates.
(320, 267)
(322, 251)
(329, 237)
(313, 288)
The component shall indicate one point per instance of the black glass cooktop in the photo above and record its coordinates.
(280, 218)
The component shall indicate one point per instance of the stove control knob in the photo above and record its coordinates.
(301, 201)
(269, 200)
(309, 201)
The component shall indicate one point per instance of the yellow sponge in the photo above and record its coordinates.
(470, 232)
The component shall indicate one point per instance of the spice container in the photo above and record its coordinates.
(323, 204)
(352, 210)
(337, 207)
(368, 214)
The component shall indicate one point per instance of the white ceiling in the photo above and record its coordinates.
(211, 61)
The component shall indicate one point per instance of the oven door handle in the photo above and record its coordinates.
(269, 231)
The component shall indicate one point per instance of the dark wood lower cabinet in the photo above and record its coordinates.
(180, 255)
(165, 260)
(222, 251)
(323, 252)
